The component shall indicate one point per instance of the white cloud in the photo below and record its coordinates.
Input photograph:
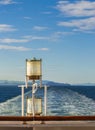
(62, 33)
(9, 40)
(7, 28)
(40, 28)
(28, 18)
(20, 48)
(58, 35)
(77, 8)
(43, 49)
(6, 2)
(81, 24)
(83, 10)
(25, 39)
(30, 37)
(55, 36)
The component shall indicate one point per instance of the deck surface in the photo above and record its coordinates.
(46, 124)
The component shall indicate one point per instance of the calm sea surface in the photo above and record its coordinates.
(69, 100)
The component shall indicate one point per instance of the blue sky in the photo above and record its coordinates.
(61, 32)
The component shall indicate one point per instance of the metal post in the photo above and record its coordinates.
(22, 100)
(45, 99)
(33, 102)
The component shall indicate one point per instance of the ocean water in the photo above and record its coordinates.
(68, 100)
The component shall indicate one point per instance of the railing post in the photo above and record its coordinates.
(45, 100)
(22, 100)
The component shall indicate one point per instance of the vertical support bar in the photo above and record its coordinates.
(33, 104)
(22, 100)
(26, 82)
(40, 81)
(45, 100)
(33, 98)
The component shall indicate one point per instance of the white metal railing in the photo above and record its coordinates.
(22, 103)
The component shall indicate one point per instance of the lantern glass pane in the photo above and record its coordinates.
(37, 106)
(34, 68)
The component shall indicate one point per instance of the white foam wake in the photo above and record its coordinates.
(66, 102)
(69, 102)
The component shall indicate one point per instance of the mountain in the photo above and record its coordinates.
(52, 83)
(84, 84)
(44, 82)
(7, 82)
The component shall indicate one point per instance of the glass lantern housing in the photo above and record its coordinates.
(37, 106)
(33, 69)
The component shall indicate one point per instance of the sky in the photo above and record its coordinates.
(60, 32)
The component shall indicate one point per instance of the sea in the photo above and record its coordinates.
(61, 100)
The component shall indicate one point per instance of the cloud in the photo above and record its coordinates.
(7, 28)
(40, 28)
(20, 48)
(25, 39)
(81, 24)
(81, 8)
(31, 37)
(43, 49)
(9, 40)
(81, 13)
(28, 18)
(7, 2)
(61, 33)
(55, 36)
(58, 35)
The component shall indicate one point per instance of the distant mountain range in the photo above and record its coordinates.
(85, 84)
(44, 82)
(7, 82)
(51, 83)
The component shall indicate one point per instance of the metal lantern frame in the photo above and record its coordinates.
(34, 72)
(37, 76)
